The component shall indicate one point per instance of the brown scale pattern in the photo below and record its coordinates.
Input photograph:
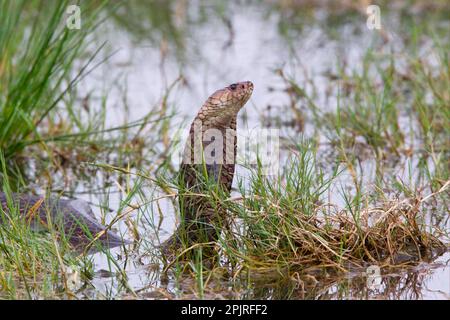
(202, 217)
(73, 219)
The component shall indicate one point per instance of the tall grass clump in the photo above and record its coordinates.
(38, 54)
(39, 65)
(288, 223)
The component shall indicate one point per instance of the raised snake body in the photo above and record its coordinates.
(201, 217)
(208, 162)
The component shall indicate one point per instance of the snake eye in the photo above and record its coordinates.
(233, 86)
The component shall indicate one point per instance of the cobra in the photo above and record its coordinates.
(208, 162)
(76, 221)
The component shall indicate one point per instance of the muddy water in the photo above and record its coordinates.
(212, 58)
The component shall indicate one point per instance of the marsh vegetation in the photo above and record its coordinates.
(362, 116)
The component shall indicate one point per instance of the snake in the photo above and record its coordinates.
(75, 220)
(72, 219)
(208, 163)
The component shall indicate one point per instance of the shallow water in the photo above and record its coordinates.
(212, 58)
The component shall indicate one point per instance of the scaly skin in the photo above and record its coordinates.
(202, 219)
(73, 218)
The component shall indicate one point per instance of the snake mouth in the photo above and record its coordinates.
(247, 88)
(249, 85)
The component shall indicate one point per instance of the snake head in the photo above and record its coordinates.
(224, 104)
(240, 92)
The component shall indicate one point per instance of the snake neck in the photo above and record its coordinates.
(211, 136)
(213, 116)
